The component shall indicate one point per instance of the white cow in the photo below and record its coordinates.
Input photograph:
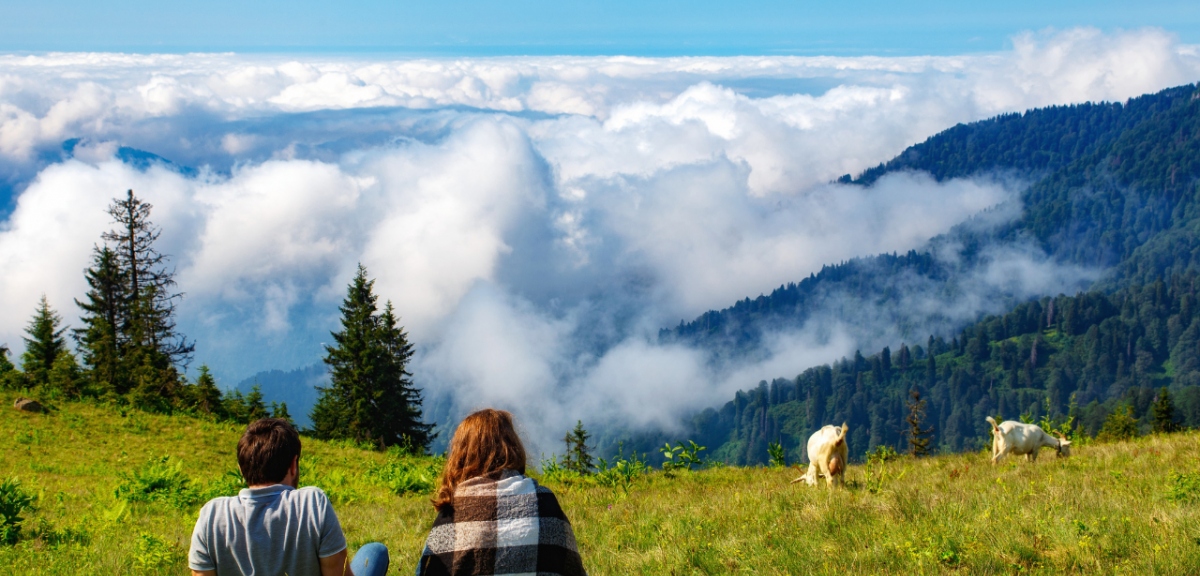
(1010, 437)
(827, 454)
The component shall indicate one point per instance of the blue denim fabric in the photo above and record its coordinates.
(370, 560)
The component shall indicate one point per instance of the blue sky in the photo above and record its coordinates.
(477, 27)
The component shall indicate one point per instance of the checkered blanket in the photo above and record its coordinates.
(509, 525)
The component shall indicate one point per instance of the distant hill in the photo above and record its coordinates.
(295, 387)
(1113, 188)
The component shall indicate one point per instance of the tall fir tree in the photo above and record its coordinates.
(103, 314)
(918, 435)
(370, 397)
(44, 344)
(151, 350)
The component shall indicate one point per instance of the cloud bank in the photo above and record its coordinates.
(535, 220)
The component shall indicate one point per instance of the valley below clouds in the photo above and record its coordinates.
(536, 221)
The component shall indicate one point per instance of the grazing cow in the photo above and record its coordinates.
(1011, 437)
(827, 455)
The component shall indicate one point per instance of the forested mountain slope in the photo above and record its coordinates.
(1114, 187)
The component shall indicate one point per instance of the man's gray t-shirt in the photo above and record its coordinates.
(268, 531)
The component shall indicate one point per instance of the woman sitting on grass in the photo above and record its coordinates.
(492, 519)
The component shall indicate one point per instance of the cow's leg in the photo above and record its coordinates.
(998, 454)
(1033, 455)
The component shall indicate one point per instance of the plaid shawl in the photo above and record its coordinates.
(509, 525)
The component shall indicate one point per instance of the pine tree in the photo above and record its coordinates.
(10, 377)
(65, 377)
(255, 409)
(918, 440)
(399, 399)
(371, 397)
(206, 397)
(579, 457)
(279, 410)
(103, 314)
(1120, 425)
(1164, 412)
(903, 358)
(44, 344)
(151, 349)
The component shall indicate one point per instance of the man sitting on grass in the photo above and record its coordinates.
(273, 527)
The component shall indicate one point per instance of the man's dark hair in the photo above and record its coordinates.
(266, 450)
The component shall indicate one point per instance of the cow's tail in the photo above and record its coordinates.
(992, 421)
(841, 434)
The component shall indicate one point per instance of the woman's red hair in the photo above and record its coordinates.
(485, 443)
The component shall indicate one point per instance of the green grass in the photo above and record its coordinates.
(1129, 508)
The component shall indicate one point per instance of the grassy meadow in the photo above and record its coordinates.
(117, 493)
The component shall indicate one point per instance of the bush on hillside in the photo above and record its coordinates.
(160, 480)
(407, 475)
(15, 501)
(1120, 425)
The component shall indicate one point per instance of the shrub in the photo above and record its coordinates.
(153, 552)
(1120, 425)
(1184, 488)
(621, 472)
(159, 480)
(14, 502)
(408, 475)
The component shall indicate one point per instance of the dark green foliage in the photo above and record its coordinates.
(103, 314)
(10, 377)
(918, 435)
(280, 410)
(15, 501)
(1120, 425)
(44, 344)
(371, 396)
(255, 409)
(65, 376)
(206, 397)
(1164, 412)
(578, 457)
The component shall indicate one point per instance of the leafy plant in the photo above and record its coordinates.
(153, 552)
(406, 475)
(622, 472)
(14, 502)
(778, 455)
(682, 456)
(159, 480)
(1184, 487)
(875, 470)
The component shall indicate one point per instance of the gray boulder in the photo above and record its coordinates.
(28, 405)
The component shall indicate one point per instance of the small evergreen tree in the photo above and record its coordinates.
(579, 456)
(1120, 425)
(65, 376)
(1164, 412)
(206, 397)
(10, 377)
(918, 435)
(279, 410)
(255, 409)
(44, 344)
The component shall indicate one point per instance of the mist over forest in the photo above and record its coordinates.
(584, 238)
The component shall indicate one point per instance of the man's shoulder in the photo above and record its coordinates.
(310, 493)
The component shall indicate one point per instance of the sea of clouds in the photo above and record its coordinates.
(535, 220)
